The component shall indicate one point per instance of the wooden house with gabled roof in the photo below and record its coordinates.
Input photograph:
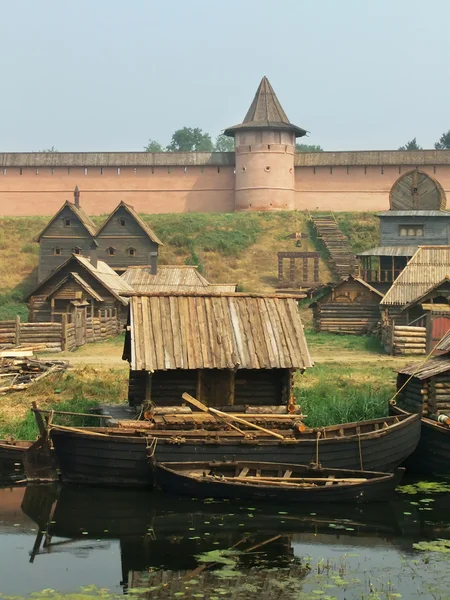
(79, 281)
(126, 240)
(70, 231)
(224, 349)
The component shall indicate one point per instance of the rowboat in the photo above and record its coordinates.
(11, 454)
(118, 456)
(274, 482)
(432, 454)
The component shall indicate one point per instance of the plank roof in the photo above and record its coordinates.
(221, 331)
(169, 278)
(133, 214)
(429, 266)
(429, 368)
(79, 213)
(444, 344)
(390, 251)
(266, 112)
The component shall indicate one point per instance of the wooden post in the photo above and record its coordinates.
(64, 321)
(148, 387)
(429, 332)
(393, 270)
(292, 270)
(392, 336)
(17, 330)
(52, 309)
(316, 268)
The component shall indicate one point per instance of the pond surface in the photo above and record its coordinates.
(98, 543)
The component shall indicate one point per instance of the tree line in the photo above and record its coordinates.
(442, 144)
(193, 139)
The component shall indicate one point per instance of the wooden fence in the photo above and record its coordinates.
(56, 337)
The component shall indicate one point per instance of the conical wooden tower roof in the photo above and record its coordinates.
(266, 112)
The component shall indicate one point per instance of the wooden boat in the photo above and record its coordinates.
(432, 454)
(275, 482)
(118, 456)
(11, 454)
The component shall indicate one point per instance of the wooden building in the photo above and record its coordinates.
(79, 282)
(70, 231)
(416, 218)
(173, 278)
(415, 312)
(351, 306)
(223, 349)
(125, 239)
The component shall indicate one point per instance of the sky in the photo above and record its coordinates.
(107, 75)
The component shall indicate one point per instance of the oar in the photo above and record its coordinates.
(226, 416)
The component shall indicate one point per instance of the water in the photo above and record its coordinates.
(148, 545)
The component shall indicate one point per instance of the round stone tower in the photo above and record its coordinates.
(265, 151)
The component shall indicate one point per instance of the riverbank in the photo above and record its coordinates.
(351, 381)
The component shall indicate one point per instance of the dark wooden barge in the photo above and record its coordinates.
(11, 454)
(119, 456)
(274, 482)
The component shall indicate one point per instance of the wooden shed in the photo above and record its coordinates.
(350, 306)
(125, 239)
(415, 312)
(425, 386)
(224, 349)
(79, 281)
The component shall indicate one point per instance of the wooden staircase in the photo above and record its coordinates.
(342, 259)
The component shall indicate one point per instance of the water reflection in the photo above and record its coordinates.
(177, 547)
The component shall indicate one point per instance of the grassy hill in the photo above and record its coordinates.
(237, 247)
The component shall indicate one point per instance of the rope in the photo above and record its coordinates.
(317, 448)
(151, 447)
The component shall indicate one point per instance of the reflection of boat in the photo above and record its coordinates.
(432, 455)
(276, 482)
(118, 456)
(11, 453)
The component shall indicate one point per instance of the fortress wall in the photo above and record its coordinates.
(28, 191)
(354, 188)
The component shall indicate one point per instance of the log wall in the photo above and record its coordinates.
(355, 319)
(427, 397)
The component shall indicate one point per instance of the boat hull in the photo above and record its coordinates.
(123, 460)
(11, 454)
(432, 454)
(377, 488)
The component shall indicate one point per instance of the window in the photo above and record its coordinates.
(67, 222)
(111, 251)
(56, 251)
(131, 251)
(410, 230)
(77, 250)
(122, 222)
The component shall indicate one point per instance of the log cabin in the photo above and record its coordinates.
(223, 349)
(79, 281)
(415, 312)
(351, 306)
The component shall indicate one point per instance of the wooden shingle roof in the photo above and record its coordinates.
(171, 278)
(429, 266)
(225, 331)
(266, 112)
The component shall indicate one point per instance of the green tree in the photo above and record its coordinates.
(444, 142)
(153, 146)
(224, 143)
(308, 148)
(190, 139)
(411, 145)
(52, 149)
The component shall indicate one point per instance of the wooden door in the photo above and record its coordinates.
(216, 387)
(80, 325)
(440, 324)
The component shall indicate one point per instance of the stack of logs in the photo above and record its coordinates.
(18, 373)
(409, 340)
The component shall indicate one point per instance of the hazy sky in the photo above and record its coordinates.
(109, 74)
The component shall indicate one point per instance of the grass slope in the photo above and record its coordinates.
(236, 247)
